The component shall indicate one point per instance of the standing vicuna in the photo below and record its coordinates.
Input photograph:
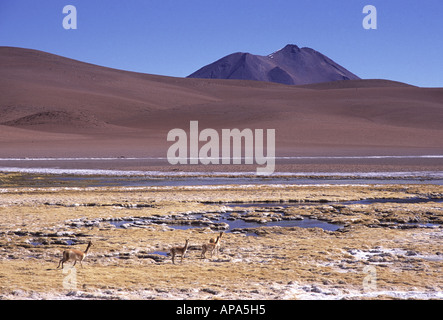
(211, 246)
(214, 240)
(74, 255)
(179, 251)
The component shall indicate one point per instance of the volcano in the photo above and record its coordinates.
(291, 65)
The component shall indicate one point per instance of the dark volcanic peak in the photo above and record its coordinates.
(290, 65)
(288, 49)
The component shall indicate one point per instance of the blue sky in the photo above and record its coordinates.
(176, 38)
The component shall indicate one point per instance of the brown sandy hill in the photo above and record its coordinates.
(343, 84)
(54, 106)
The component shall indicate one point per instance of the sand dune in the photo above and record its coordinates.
(54, 106)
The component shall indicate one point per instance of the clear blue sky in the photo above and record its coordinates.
(178, 37)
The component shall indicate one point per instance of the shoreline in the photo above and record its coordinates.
(421, 167)
(282, 164)
(100, 178)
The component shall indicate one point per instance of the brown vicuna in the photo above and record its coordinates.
(74, 255)
(213, 240)
(211, 246)
(179, 251)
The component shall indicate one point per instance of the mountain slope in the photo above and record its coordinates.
(55, 106)
(291, 65)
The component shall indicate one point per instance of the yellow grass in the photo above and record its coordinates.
(278, 263)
